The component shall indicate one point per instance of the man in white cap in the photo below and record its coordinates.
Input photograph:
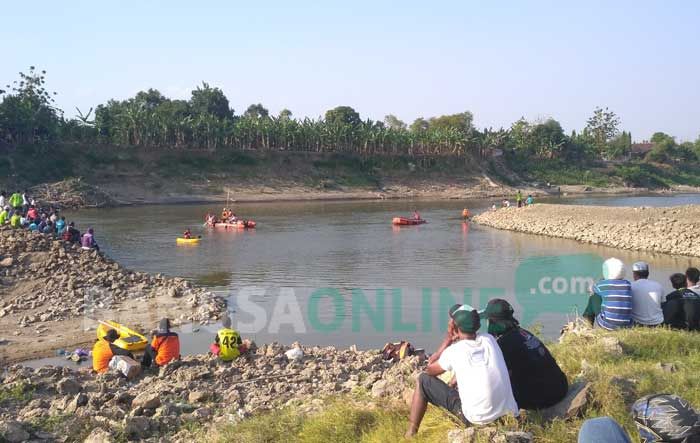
(610, 304)
(647, 296)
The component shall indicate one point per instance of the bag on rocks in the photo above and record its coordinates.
(126, 366)
(397, 351)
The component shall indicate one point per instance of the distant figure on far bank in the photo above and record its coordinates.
(519, 198)
(682, 306)
(646, 297)
(610, 304)
(506, 203)
(529, 200)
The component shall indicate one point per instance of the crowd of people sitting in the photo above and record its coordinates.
(615, 302)
(20, 210)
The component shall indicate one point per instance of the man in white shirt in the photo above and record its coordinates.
(647, 296)
(483, 392)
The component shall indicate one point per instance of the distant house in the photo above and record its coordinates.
(640, 150)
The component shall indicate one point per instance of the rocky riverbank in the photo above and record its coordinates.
(189, 393)
(53, 292)
(665, 230)
(328, 394)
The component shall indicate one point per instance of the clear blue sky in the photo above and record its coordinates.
(500, 60)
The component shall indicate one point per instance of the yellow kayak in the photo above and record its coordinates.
(187, 241)
(128, 338)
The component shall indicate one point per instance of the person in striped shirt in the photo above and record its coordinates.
(610, 304)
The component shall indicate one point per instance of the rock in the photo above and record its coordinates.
(379, 388)
(6, 262)
(611, 345)
(666, 367)
(197, 396)
(13, 432)
(99, 435)
(572, 405)
(146, 400)
(137, 428)
(68, 386)
(202, 413)
(295, 354)
(461, 435)
(513, 437)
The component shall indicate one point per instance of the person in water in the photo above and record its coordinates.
(465, 213)
(610, 304)
(535, 377)
(187, 234)
(164, 347)
(227, 342)
(483, 393)
(104, 349)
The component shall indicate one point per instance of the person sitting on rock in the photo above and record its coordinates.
(682, 306)
(483, 392)
(187, 234)
(647, 296)
(4, 215)
(164, 347)
(32, 213)
(16, 220)
(535, 377)
(227, 342)
(88, 240)
(610, 304)
(104, 349)
(60, 225)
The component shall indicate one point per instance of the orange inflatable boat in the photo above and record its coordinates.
(404, 221)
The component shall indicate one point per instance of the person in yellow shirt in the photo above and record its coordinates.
(227, 343)
(16, 220)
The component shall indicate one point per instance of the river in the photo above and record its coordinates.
(338, 273)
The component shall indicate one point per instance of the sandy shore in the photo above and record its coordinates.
(664, 230)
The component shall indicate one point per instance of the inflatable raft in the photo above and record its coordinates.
(128, 338)
(187, 241)
(402, 221)
(240, 224)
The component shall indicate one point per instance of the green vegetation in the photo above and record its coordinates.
(16, 392)
(617, 380)
(178, 131)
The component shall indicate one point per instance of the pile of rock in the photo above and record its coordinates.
(53, 280)
(665, 230)
(196, 389)
(72, 193)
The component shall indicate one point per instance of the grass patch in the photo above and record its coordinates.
(16, 392)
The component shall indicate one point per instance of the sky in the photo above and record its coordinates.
(501, 60)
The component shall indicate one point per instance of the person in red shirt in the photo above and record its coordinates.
(164, 347)
(187, 234)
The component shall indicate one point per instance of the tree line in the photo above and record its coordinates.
(149, 120)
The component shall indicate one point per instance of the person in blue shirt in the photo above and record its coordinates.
(529, 200)
(610, 304)
(60, 225)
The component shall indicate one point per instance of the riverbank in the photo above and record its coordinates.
(331, 395)
(52, 293)
(76, 176)
(663, 230)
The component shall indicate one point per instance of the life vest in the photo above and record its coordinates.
(101, 355)
(229, 341)
(167, 348)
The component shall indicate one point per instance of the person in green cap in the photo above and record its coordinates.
(535, 377)
(483, 393)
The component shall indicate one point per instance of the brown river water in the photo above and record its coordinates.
(338, 273)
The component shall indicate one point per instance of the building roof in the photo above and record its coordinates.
(641, 148)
